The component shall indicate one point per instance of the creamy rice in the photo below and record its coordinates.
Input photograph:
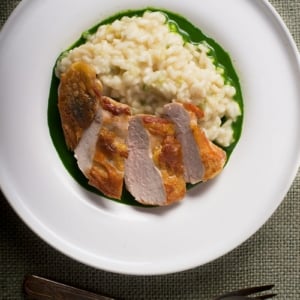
(142, 63)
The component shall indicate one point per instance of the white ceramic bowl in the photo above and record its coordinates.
(215, 217)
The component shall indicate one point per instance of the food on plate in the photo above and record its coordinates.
(144, 64)
(79, 91)
(118, 90)
(202, 159)
(102, 150)
(154, 167)
(95, 127)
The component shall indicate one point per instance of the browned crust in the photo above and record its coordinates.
(159, 127)
(78, 98)
(167, 156)
(212, 156)
(154, 121)
(108, 164)
(199, 113)
(104, 177)
(170, 157)
(107, 170)
(170, 161)
(175, 188)
(109, 105)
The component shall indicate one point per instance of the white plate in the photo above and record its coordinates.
(217, 216)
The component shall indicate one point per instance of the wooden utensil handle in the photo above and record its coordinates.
(38, 288)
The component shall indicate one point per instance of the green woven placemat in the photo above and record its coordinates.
(272, 255)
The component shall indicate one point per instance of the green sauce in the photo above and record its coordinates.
(189, 33)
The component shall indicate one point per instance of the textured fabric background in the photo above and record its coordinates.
(272, 255)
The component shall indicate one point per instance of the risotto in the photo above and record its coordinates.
(142, 62)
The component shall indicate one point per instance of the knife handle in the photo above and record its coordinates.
(38, 288)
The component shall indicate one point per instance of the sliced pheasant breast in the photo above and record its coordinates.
(202, 159)
(78, 97)
(154, 167)
(102, 150)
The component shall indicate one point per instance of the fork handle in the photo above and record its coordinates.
(38, 288)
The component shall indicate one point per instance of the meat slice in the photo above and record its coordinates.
(102, 149)
(154, 167)
(202, 159)
(78, 96)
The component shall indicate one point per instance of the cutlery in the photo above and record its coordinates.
(243, 294)
(39, 288)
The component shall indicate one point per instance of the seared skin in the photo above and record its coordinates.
(78, 97)
(167, 156)
(95, 128)
(102, 150)
(212, 156)
(203, 160)
(107, 170)
(154, 169)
